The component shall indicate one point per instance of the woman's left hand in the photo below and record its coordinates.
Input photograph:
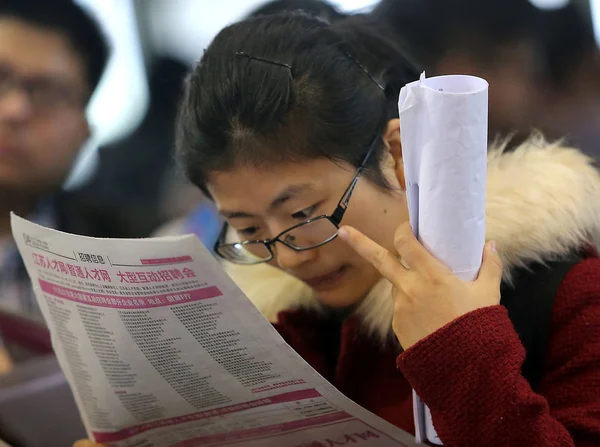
(427, 295)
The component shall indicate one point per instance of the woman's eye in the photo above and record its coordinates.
(247, 232)
(305, 213)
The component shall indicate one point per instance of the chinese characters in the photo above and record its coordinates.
(70, 269)
(158, 276)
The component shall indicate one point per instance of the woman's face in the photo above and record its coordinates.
(261, 203)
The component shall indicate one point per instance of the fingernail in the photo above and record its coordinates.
(343, 233)
(493, 246)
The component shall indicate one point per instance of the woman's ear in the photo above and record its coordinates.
(391, 138)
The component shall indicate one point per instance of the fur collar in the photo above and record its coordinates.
(543, 201)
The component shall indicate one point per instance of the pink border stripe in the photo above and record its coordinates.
(121, 302)
(265, 431)
(132, 431)
(158, 261)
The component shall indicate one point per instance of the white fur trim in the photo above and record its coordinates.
(543, 201)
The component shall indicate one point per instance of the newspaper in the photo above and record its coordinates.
(161, 349)
(444, 122)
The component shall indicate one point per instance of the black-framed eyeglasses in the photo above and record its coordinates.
(311, 233)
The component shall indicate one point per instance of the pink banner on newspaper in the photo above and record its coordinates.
(162, 261)
(121, 302)
(273, 400)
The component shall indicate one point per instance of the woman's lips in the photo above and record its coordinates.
(326, 281)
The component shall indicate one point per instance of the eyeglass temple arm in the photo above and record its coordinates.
(338, 214)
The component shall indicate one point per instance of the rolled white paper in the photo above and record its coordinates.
(444, 124)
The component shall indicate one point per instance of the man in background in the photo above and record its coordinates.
(52, 56)
(492, 39)
(543, 66)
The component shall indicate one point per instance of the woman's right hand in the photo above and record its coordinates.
(87, 443)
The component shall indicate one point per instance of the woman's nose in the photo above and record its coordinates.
(289, 259)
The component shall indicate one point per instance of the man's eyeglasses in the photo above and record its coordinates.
(45, 94)
(311, 233)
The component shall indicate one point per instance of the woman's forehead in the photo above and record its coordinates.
(259, 187)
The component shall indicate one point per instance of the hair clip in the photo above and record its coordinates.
(260, 59)
(363, 68)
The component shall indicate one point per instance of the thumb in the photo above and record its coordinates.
(491, 267)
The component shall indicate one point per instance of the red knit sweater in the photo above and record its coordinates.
(468, 372)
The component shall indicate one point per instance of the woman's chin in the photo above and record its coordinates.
(341, 297)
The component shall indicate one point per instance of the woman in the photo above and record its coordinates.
(287, 119)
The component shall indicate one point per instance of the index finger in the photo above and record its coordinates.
(384, 261)
(413, 252)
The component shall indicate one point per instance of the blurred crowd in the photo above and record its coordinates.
(543, 66)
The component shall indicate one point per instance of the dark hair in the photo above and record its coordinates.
(316, 92)
(316, 8)
(69, 19)
(432, 27)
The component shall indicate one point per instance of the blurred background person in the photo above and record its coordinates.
(52, 56)
(542, 64)
(493, 39)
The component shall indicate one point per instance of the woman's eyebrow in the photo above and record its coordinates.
(289, 193)
(236, 214)
(286, 194)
